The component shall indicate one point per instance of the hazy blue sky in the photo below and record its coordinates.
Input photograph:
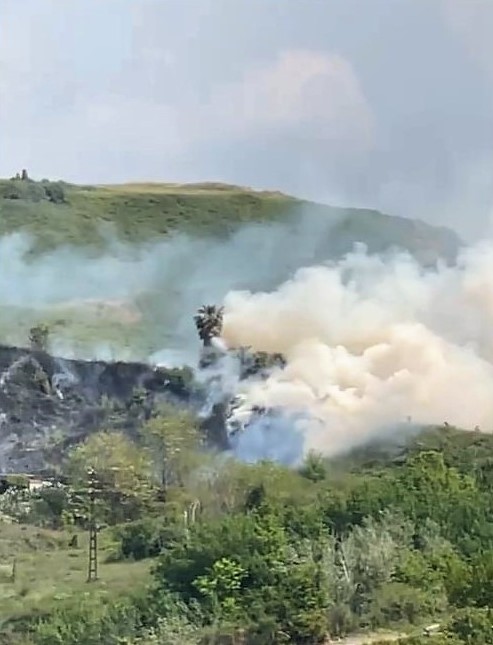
(385, 103)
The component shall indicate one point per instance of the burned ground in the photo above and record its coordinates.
(48, 403)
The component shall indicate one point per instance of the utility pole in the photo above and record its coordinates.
(92, 569)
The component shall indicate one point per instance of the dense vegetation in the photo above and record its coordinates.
(262, 554)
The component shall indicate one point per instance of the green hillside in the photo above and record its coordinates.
(280, 232)
(77, 215)
(139, 212)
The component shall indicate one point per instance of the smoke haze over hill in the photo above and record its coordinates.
(164, 281)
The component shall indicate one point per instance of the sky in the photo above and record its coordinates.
(384, 104)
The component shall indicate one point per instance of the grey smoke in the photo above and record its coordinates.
(168, 279)
(369, 339)
(276, 436)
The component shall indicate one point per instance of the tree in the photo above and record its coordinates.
(314, 467)
(209, 323)
(122, 470)
(474, 626)
(221, 585)
(172, 439)
(55, 192)
(246, 566)
(480, 588)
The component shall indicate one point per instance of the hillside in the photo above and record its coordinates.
(76, 215)
(196, 547)
(163, 250)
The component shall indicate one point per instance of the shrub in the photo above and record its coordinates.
(88, 621)
(54, 192)
(146, 538)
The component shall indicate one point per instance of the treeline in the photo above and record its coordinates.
(263, 554)
(21, 186)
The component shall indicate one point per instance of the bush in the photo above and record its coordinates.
(397, 602)
(34, 191)
(88, 621)
(472, 625)
(55, 192)
(24, 189)
(48, 507)
(145, 538)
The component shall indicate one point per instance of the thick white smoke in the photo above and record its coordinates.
(371, 343)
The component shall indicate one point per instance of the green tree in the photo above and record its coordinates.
(122, 471)
(173, 440)
(38, 338)
(221, 586)
(247, 566)
(209, 322)
(473, 626)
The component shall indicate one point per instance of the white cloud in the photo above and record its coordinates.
(149, 110)
(299, 88)
(311, 93)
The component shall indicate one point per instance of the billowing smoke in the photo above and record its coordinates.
(370, 341)
(370, 344)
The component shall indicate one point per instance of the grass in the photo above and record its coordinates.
(146, 211)
(139, 212)
(48, 572)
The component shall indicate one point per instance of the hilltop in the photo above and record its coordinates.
(57, 213)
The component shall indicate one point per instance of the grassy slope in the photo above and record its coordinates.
(48, 572)
(141, 212)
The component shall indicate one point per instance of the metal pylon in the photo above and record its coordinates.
(92, 569)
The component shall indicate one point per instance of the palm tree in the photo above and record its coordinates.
(209, 322)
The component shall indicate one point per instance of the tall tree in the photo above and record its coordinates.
(121, 468)
(209, 323)
(173, 439)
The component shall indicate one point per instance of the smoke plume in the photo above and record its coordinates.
(370, 344)
(370, 341)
